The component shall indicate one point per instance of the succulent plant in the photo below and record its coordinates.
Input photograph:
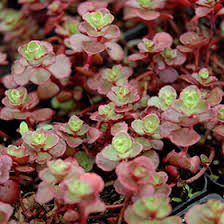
(210, 212)
(150, 210)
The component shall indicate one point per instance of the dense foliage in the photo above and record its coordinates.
(96, 108)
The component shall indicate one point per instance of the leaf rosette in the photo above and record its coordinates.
(149, 125)
(123, 95)
(99, 19)
(190, 102)
(152, 209)
(36, 52)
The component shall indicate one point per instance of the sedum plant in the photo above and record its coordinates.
(132, 175)
(106, 113)
(150, 210)
(165, 98)
(19, 105)
(123, 95)
(75, 132)
(210, 212)
(43, 145)
(107, 78)
(100, 86)
(122, 147)
(190, 102)
(96, 35)
(38, 62)
(149, 125)
(66, 181)
(146, 9)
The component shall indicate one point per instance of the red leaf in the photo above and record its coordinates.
(42, 114)
(47, 90)
(61, 68)
(184, 137)
(168, 75)
(9, 191)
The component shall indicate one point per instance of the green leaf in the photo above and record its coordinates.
(164, 209)
(75, 123)
(146, 144)
(154, 101)
(79, 188)
(144, 3)
(190, 96)
(38, 138)
(175, 199)
(42, 157)
(167, 95)
(98, 20)
(17, 96)
(122, 142)
(169, 53)
(140, 209)
(85, 160)
(58, 166)
(110, 153)
(221, 112)
(137, 125)
(45, 127)
(107, 111)
(23, 127)
(15, 151)
(34, 52)
(51, 141)
(151, 123)
(172, 220)
(135, 150)
(203, 73)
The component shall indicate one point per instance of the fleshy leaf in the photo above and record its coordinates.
(184, 137)
(86, 161)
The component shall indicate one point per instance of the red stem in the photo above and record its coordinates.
(114, 206)
(4, 135)
(202, 171)
(185, 150)
(125, 205)
(150, 25)
(142, 76)
(55, 38)
(88, 109)
(196, 58)
(212, 22)
(83, 218)
(88, 62)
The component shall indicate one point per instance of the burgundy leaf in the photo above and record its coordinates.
(9, 191)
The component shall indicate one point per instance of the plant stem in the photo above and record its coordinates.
(185, 150)
(125, 205)
(196, 58)
(88, 109)
(88, 62)
(142, 76)
(103, 216)
(202, 171)
(150, 26)
(114, 206)
(212, 22)
(4, 135)
(83, 218)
